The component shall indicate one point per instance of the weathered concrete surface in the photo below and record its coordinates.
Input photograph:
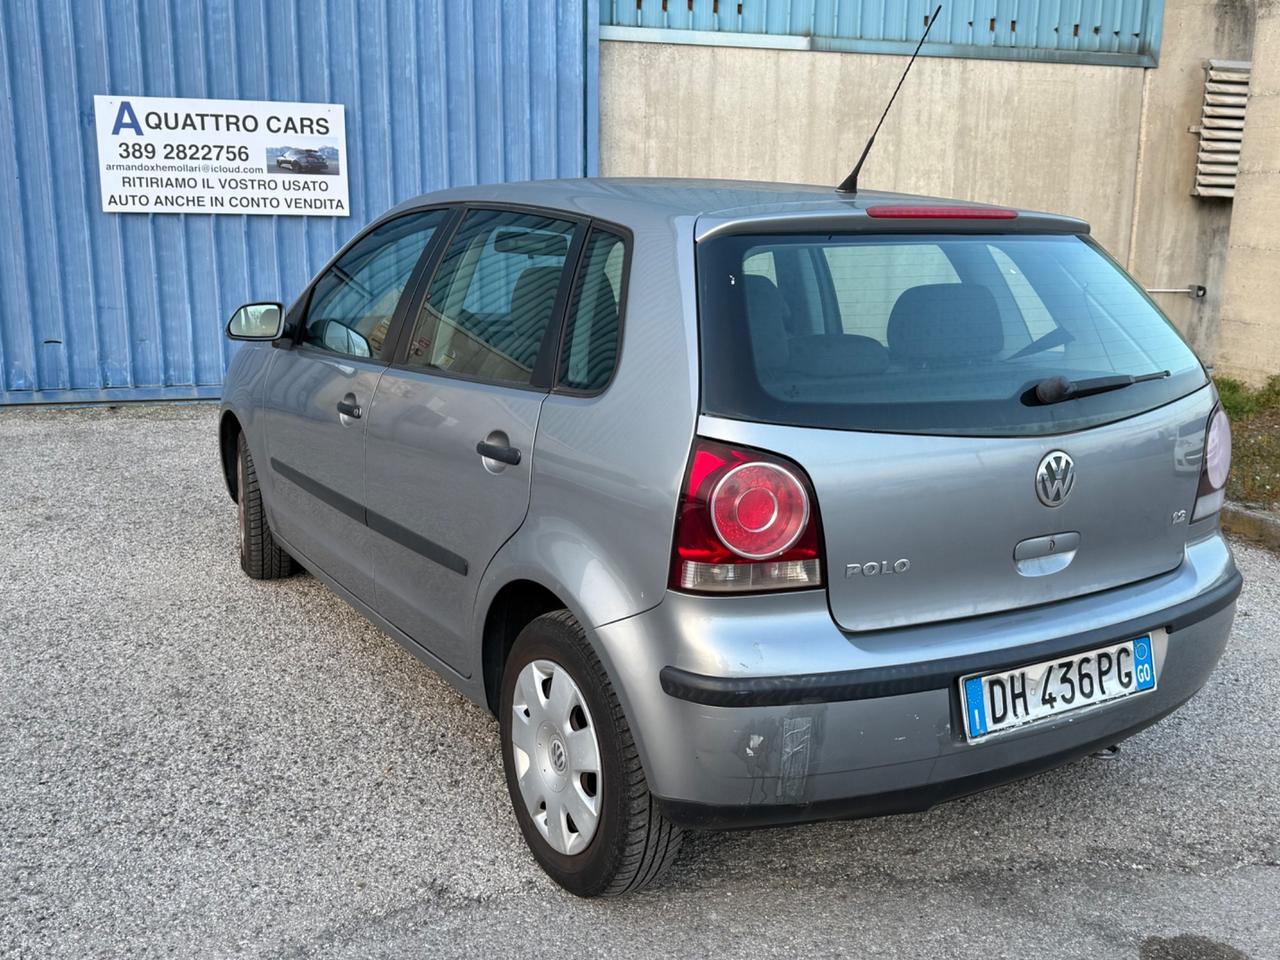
(1058, 137)
(1251, 306)
(1109, 144)
(1180, 239)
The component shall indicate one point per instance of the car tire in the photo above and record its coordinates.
(260, 556)
(633, 844)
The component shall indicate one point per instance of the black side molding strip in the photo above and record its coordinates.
(318, 490)
(418, 544)
(906, 678)
(374, 521)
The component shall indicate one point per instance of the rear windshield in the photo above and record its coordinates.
(928, 334)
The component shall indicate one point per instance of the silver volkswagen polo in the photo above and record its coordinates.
(743, 504)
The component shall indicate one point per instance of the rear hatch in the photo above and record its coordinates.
(900, 370)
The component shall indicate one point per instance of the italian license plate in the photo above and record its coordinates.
(996, 702)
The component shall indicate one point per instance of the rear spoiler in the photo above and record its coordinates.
(889, 218)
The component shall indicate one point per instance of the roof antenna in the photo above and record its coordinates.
(850, 183)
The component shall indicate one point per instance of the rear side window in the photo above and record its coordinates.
(492, 297)
(590, 350)
(928, 333)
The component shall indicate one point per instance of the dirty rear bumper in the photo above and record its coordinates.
(744, 730)
(911, 799)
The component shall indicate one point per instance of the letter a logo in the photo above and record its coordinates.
(125, 117)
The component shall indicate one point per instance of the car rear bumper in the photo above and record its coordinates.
(756, 711)
(926, 789)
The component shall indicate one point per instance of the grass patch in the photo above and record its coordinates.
(1255, 441)
(1242, 401)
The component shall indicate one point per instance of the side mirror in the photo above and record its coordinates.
(344, 340)
(256, 321)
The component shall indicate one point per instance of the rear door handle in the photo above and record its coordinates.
(348, 407)
(498, 452)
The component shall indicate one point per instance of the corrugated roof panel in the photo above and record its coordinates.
(1117, 31)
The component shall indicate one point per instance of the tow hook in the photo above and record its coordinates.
(1107, 753)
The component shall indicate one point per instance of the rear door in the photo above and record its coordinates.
(946, 488)
(449, 449)
(319, 392)
(919, 528)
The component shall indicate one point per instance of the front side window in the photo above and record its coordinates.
(493, 295)
(590, 349)
(353, 303)
(945, 334)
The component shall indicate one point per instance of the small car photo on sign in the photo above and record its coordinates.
(286, 159)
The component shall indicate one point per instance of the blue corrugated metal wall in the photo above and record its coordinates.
(98, 306)
(1122, 32)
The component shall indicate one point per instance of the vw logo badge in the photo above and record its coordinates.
(558, 758)
(1055, 477)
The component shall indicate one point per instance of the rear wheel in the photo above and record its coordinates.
(260, 556)
(572, 768)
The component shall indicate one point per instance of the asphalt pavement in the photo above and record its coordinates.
(197, 765)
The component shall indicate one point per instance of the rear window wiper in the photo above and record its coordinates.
(1058, 389)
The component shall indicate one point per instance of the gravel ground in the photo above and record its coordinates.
(195, 764)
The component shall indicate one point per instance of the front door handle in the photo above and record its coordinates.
(348, 407)
(499, 452)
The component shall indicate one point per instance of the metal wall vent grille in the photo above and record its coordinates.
(1226, 90)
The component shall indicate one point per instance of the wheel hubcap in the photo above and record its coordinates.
(557, 757)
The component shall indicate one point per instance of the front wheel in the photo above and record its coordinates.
(572, 768)
(260, 556)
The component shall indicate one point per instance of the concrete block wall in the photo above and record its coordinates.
(1250, 345)
(993, 130)
(1180, 239)
(1109, 144)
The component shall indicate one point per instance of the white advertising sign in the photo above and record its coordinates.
(168, 155)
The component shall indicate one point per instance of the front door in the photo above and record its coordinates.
(449, 444)
(318, 395)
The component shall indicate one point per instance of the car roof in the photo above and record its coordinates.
(733, 205)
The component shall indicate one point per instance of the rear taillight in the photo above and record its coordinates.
(747, 521)
(1216, 466)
